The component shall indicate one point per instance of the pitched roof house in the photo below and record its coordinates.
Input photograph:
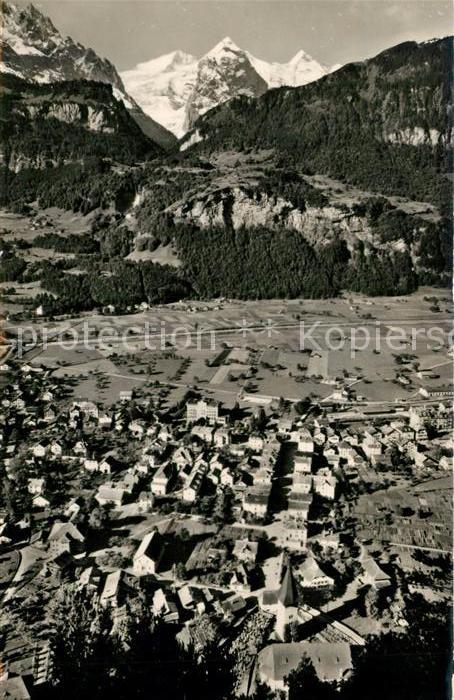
(312, 576)
(373, 575)
(110, 494)
(149, 554)
(65, 537)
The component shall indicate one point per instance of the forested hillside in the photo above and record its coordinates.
(85, 118)
(383, 124)
(46, 127)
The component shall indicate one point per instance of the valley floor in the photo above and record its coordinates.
(290, 348)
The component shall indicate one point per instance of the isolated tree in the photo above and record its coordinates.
(372, 603)
(99, 517)
(81, 646)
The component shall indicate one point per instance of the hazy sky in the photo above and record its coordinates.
(332, 31)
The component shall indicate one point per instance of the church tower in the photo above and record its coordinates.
(287, 603)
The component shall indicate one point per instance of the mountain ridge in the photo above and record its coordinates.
(34, 50)
(253, 209)
(381, 123)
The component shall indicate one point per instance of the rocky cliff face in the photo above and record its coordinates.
(91, 117)
(415, 136)
(237, 207)
(33, 49)
(223, 73)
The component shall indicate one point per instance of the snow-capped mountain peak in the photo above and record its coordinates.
(301, 69)
(33, 49)
(162, 87)
(300, 56)
(180, 58)
(175, 88)
(223, 73)
(165, 63)
(225, 45)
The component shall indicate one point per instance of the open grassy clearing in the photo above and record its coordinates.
(163, 255)
(342, 193)
(51, 220)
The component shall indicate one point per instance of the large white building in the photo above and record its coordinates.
(196, 410)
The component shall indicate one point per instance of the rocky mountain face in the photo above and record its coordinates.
(251, 226)
(237, 208)
(33, 49)
(383, 124)
(252, 206)
(176, 88)
(224, 72)
(349, 172)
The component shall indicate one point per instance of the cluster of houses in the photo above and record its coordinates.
(176, 463)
